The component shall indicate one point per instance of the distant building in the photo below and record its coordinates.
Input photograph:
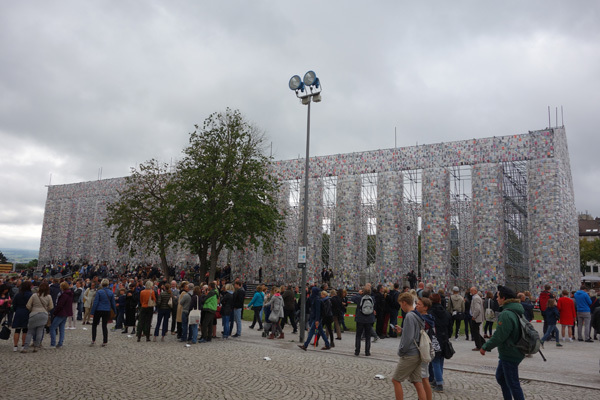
(589, 229)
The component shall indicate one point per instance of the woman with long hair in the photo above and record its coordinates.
(147, 295)
(62, 310)
(103, 304)
(39, 305)
(21, 313)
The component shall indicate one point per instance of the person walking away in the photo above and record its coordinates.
(364, 318)
(63, 310)
(164, 310)
(443, 332)
(39, 305)
(130, 309)
(507, 334)
(476, 318)
(552, 315)
(289, 308)
(104, 302)
(276, 306)
(20, 319)
(256, 304)
(582, 305)
(456, 307)
(338, 314)
(489, 313)
(147, 303)
(543, 299)
(409, 365)
(315, 316)
(566, 309)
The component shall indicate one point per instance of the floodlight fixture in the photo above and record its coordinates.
(296, 83)
(310, 78)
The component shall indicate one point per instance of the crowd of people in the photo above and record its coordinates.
(44, 306)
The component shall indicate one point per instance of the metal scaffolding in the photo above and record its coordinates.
(329, 199)
(514, 194)
(412, 197)
(461, 226)
(368, 249)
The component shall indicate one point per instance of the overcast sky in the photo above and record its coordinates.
(111, 84)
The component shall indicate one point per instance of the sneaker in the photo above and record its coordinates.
(302, 347)
(558, 344)
(16, 348)
(326, 348)
(589, 340)
(52, 347)
(438, 388)
(236, 335)
(375, 338)
(571, 339)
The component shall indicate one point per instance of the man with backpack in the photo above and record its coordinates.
(365, 316)
(507, 334)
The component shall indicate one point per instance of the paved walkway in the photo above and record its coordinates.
(236, 369)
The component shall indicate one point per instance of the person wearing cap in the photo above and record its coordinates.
(506, 335)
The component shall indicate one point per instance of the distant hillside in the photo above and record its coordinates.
(20, 255)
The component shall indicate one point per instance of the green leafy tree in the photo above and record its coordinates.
(589, 251)
(226, 194)
(3, 259)
(142, 217)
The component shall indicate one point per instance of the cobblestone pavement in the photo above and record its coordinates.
(236, 369)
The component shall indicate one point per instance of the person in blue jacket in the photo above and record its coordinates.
(103, 303)
(315, 316)
(584, 315)
(256, 304)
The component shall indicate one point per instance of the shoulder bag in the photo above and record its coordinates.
(194, 317)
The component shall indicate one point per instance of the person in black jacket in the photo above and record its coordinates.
(289, 307)
(443, 332)
(227, 309)
(364, 321)
(379, 297)
(338, 313)
(315, 317)
(394, 307)
(239, 295)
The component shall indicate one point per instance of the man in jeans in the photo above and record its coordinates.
(506, 335)
(238, 305)
(582, 305)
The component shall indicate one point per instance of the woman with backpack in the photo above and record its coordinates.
(276, 314)
(39, 305)
(364, 319)
(104, 302)
(489, 313)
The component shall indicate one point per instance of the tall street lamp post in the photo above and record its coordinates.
(307, 90)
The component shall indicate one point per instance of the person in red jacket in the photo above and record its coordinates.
(566, 308)
(544, 296)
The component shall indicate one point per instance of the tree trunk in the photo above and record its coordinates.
(163, 256)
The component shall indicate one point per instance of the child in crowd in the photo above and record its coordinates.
(552, 317)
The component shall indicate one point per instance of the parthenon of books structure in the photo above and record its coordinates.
(477, 212)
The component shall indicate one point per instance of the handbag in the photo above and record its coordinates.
(170, 303)
(151, 303)
(49, 321)
(194, 317)
(5, 332)
(218, 312)
(448, 350)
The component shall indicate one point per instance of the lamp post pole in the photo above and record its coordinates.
(308, 90)
(305, 231)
